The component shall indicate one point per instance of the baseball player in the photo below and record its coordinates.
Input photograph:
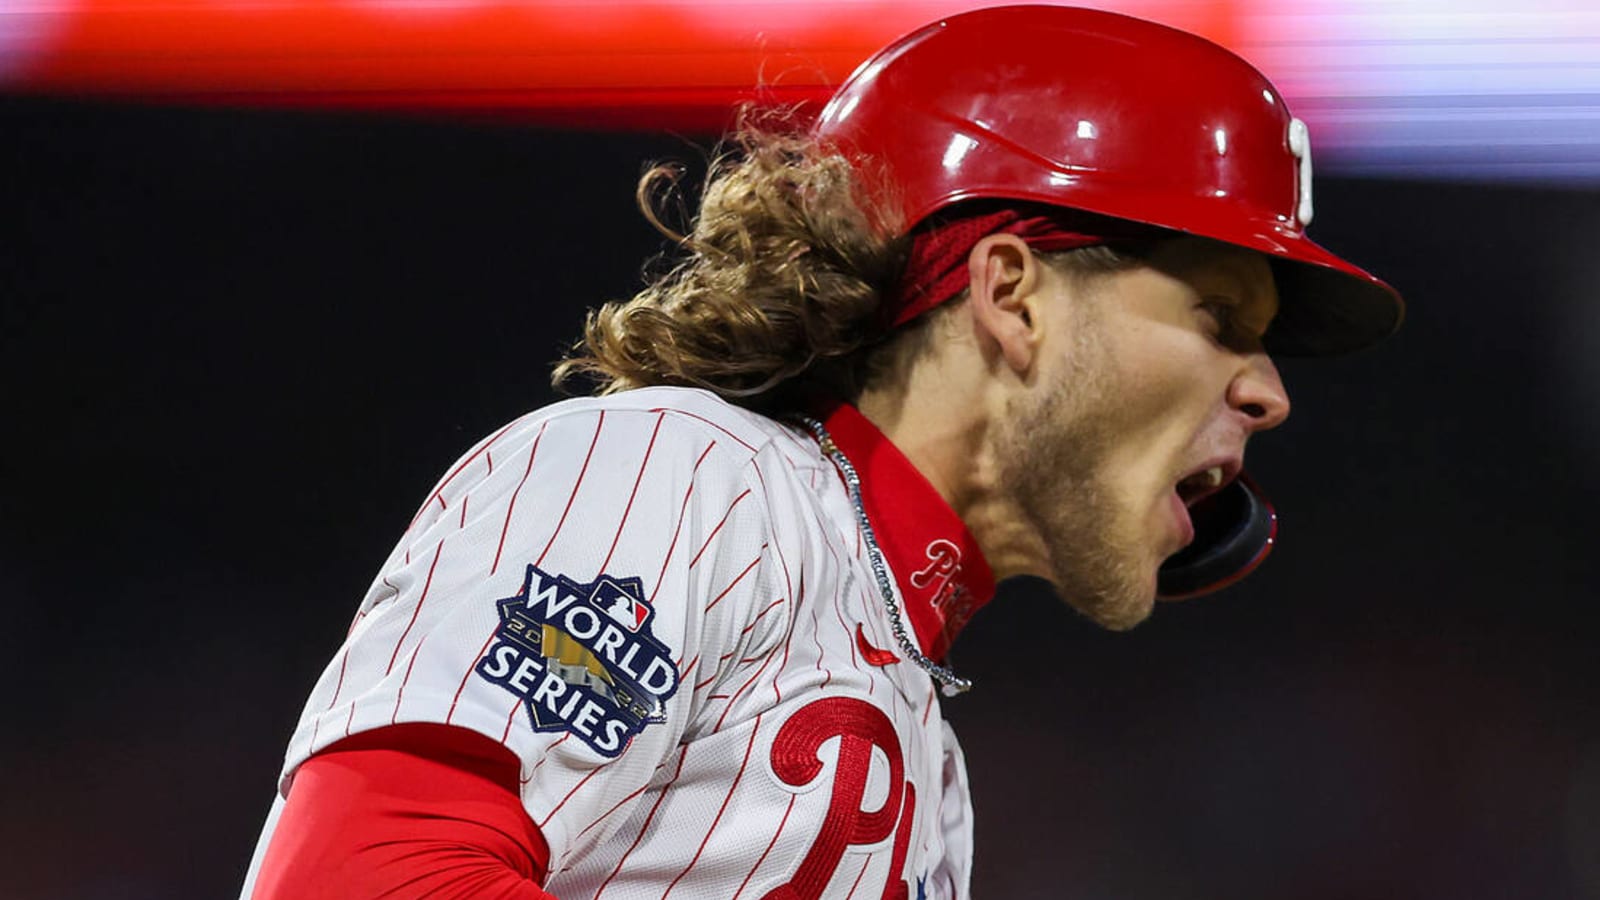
(1006, 309)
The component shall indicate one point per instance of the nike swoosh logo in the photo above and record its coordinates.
(875, 656)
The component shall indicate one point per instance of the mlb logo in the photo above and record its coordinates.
(626, 606)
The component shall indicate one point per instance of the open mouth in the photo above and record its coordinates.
(1207, 480)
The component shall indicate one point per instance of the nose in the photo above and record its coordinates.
(1258, 392)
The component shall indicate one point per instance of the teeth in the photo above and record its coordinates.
(1204, 480)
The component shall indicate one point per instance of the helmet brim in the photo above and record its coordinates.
(1328, 309)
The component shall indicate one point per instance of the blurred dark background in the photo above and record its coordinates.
(238, 348)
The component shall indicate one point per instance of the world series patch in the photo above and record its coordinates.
(582, 658)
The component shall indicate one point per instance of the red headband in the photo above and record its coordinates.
(937, 268)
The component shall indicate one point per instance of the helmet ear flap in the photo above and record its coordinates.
(1234, 530)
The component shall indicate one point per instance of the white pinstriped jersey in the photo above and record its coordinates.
(662, 605)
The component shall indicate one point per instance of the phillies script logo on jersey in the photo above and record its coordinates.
(942, 574)
(944, 566)
(797, 762)
(582, 658)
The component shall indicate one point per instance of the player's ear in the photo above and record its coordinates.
(1004, 293)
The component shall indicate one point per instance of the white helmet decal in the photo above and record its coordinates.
(1300, 146)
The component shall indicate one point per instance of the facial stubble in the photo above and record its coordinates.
(1056, 466)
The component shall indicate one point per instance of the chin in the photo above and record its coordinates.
(1113, 601)
(1133, 607)
(1124, 618)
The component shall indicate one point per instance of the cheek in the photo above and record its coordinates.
(1171, 379)
(1158, 411)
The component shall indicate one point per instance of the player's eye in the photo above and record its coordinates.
(1221, 312)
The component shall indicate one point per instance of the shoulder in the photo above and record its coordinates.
(669, 416)
(745, 432)
(660, 442)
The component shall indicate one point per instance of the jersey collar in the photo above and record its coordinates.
(942, 575)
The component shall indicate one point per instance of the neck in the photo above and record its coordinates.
(943, 444)
(946, 429)
(908, 527)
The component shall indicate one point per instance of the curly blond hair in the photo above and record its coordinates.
(776, 302)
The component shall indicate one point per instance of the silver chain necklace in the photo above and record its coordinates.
(950, 683)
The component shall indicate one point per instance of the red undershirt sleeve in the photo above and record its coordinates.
(406, 811)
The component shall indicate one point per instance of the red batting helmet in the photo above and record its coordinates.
(1117, 116)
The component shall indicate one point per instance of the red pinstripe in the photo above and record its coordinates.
(879, 639)
(777, 693)
(857, 883)
(635, 492)
(437, 492)
(575, 788)
(928, 707)
(362, 612)
(768, 608)
(838, 613)
(821, 651)
(437, 551)
(898, 706)
(647, 820)
(788, 583)
(344, 659)
(349, 719)
(770, 844)
(870, 620)
(500, 547)
(715, 675)
(839, 566)
(400, 694)
(464, 499)
(470, 669)
(742, 689)
(575, 485)
(510, 717)
(732, 788)
(354, 621)
(684, 673)
(683, 508)
(619, 804)
(546, 755)
(738, 578)
(681, 412)
(723, 521)
(316, 724)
